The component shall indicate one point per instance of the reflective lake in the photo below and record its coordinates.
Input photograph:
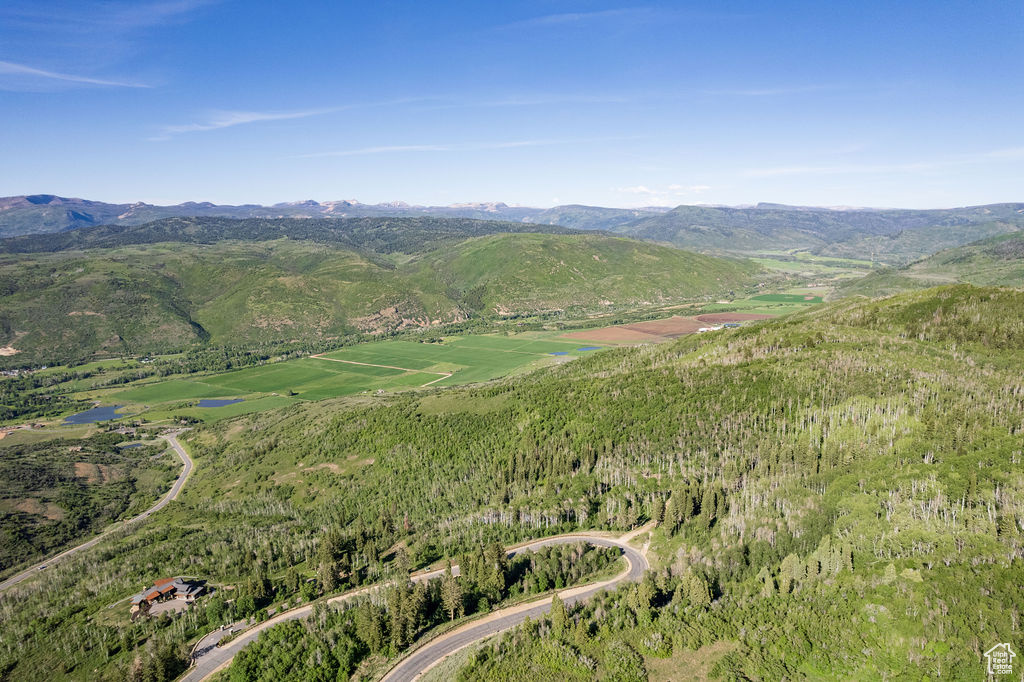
(96, 414)
(212, 402)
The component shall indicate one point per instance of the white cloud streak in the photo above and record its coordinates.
(773, 92)
(670, 195)
(1005, 154)
(100, 19)
(218, 119)
(460, 147)
(11, 68)
(579, 17)
(229, 119)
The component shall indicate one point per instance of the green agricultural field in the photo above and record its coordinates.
(370, 367)
(165, 391)
(787, 298)
(467, 358)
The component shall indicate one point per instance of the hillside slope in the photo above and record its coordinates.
(996, 261)
(180, 282)
(888, 235)
(522, 273)
(827, 487)
(380, 235)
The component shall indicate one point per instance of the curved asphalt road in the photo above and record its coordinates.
(172, 440)
(209, 658)
(413, 666)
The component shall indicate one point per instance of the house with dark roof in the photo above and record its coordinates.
(165, 589)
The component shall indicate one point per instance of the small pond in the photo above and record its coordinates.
(215, 402)
(96, 414)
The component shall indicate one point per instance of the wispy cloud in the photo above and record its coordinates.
(772, 91)
(545, 99)
(663, 196)
(841, 169)
(677, 189)
(457, 147)
(1007, 153)
(994, 155)
(228, 119)
(11, 68)
(387, 149)
(218, 119)
(75, 38)
(582, 17)
(620, 16)
(107, 17)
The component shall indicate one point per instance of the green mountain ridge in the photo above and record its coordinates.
(892, 236)
(180, 282)
(837, 495)
(996, 261)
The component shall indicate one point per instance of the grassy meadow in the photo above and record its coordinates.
(365, 368)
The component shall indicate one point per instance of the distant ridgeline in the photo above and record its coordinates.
(178, 282)
(383, 235)
(893, 236)
(889, 236)
(995, 261)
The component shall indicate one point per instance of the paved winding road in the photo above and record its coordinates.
(413, 666)
(209, 658)
(172, 440)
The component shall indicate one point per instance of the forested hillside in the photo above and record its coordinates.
(838, 495)
(520, 273)
(994, 261)
(179, 283)
(379, 235)
(892, 236)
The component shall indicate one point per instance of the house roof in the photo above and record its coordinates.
(176, 585)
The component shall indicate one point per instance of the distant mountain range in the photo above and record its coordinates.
(890, 236)
(43, 213)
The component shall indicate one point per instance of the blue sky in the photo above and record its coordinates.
(915, 104)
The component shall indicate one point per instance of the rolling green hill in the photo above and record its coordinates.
(519, 273)
(180, 282)
(837, 495)
(996, 261)
(892, 236)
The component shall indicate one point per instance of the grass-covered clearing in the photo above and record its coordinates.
(371, 367)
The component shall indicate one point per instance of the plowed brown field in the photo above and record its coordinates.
(654, 331)
(719, 318)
